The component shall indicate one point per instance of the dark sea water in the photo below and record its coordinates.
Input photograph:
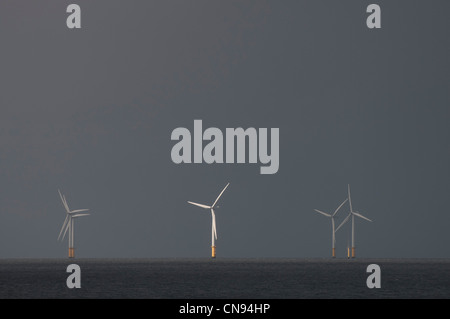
(224, 278)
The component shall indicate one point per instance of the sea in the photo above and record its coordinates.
(225, 279)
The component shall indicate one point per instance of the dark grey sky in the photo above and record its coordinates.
(91, 112)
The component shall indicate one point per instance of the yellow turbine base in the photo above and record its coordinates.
(353, 252)
(213, 251)
(71, 252)
(333, 253)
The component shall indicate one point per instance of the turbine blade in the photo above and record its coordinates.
(214, 223)
(63, 199)
(79, 215)
(343, 222)
(67, 227)
(350, 198)
(361, 216)
(79, 210)
(62, 228)
(340, 206)
(220, 195)
(60, 196)
(200, 205)
(323, 213)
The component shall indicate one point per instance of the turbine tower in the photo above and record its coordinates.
(352, 214)
(69, 223)
(333, 236)
(213, 215)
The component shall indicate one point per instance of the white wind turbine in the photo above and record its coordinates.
(213, 215)
(352, 214)
(333, 231)
(69, 223)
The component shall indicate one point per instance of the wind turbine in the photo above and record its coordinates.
(69, 223)
(352, 214)
(333, 237)
(213, 229)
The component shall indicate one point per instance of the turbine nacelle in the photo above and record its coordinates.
(69, 222)
(213, 206)
(77, 211)
(213, 217)
(351, 213)
(335, 212)
(333, 231)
